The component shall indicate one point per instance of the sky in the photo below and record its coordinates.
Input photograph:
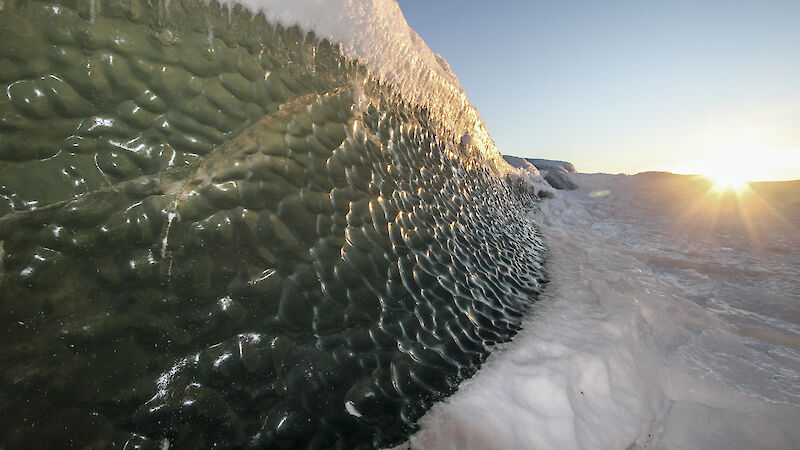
(629, 86)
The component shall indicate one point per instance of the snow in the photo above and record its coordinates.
(521, 163)
(672, 320)
(376, 33)
(530, 173)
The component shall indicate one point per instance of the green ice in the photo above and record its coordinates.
(216, 230)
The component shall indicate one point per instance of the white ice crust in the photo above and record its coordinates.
(663, 326)
(376, 33)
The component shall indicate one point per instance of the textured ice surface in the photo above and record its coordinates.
(375, 33)
(216, 230)
(672, 320)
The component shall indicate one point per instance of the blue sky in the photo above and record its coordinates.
(627, 86)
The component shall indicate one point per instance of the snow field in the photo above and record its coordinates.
(662, 327)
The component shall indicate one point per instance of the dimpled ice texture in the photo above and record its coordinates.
(216, 230)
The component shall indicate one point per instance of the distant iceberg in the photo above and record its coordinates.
(553, 173)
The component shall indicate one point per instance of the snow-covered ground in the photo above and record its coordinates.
(672, 321)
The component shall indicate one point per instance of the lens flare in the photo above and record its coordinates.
(735, 168)
(727, 182)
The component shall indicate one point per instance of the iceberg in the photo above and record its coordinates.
(531, 176)
(243, 224)
(553, 172)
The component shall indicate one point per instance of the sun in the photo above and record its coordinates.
(727, 182)
(729, 170)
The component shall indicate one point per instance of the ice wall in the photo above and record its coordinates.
(218, 230)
